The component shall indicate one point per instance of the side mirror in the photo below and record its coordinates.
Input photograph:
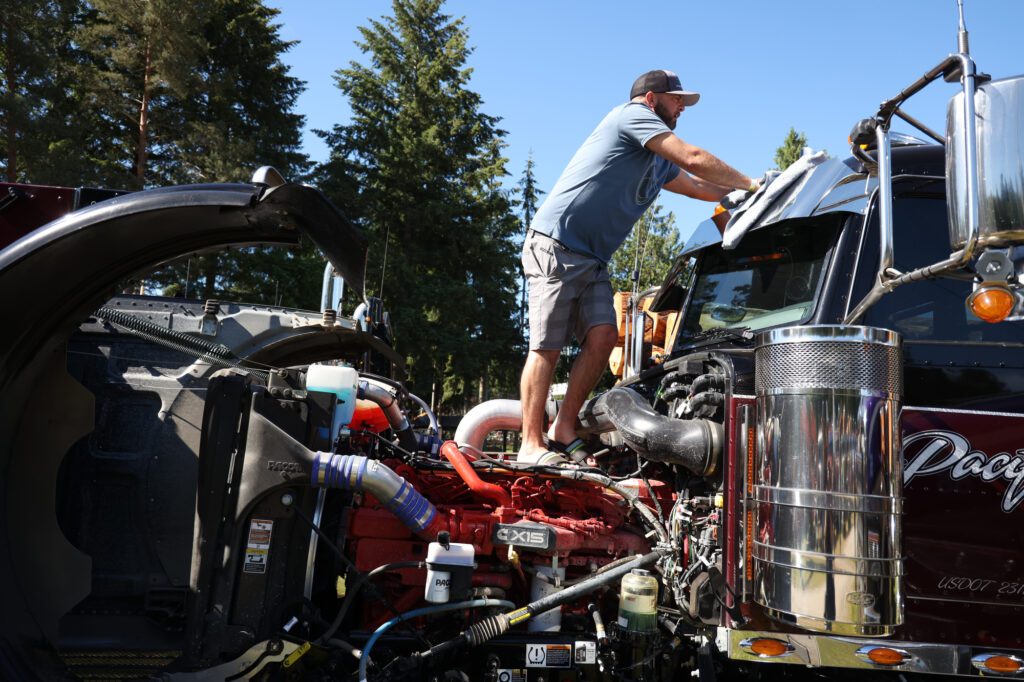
(998, 121)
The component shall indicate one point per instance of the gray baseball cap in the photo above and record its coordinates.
(661, 80)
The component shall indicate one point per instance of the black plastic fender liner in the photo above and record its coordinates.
(695, 444)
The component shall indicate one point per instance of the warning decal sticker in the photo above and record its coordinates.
(258, 548)
(586, 653)
(548, 655)
(511, 675)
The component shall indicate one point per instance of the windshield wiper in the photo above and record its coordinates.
(741, 334)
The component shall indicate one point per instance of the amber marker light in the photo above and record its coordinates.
(1000, 664)
(886, 656)
(767, 647)
(991, 303)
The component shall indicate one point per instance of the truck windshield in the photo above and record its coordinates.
(771, 278)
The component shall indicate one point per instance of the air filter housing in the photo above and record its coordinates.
(828, 478)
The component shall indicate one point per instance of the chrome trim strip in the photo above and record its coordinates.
(841, 652)
(818, 499)
(834, 333)
(949, 411)
(972, 602)
(828, 563)
(800, 390)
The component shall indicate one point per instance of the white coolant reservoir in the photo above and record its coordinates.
(343, 382)
(547, 580)
(449, 572)
(638, 601)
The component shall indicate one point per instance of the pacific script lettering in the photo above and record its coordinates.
(949, 451)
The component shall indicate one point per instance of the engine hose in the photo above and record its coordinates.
(389, 405)
(495, 493)
(489, 628)
(626, 494)
(359, 473)
(213, 353)
(599, 630)
(364, 660)
(707, 398)
(695, 444)
(435, 427)
(357, 585)
(704, 381)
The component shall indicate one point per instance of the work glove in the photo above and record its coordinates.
(735, 198)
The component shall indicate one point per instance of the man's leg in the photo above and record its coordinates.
(586, 370)
(533, 393)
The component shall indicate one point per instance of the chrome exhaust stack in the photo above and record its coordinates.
(827, 495)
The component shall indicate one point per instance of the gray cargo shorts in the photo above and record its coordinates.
(569, 292)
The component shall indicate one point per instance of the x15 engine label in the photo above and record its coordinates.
(524, 535)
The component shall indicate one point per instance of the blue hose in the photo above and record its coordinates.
(364, 660)
(356, 472)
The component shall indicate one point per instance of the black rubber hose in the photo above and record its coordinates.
(358, 583)
(704, 381)
(695, 444)
(707, 398)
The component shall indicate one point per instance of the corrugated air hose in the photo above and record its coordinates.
(213, 353)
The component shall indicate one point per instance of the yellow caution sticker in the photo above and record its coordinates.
(518, 616)
(294, 656)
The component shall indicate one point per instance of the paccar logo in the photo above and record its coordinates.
(537, 537)
(865, 599)
(290, 467)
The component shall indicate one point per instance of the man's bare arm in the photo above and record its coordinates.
(696, 188)
(697, 161)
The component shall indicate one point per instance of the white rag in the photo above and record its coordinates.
(747, 215)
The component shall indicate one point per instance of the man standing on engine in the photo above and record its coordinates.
(608, 184)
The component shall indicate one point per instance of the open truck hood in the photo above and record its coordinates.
(52, 280)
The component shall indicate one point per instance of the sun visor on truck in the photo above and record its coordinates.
(826, 187)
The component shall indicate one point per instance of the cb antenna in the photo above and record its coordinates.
(961, 36)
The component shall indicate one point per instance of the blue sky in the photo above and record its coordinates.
(551, 69)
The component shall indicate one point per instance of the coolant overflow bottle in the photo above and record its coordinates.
(638, 601)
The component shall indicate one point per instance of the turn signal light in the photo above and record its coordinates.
(1000, 664)
(883, 655)
(767, 647)
(991, 303)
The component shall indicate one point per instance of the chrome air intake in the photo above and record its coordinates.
(828, 478)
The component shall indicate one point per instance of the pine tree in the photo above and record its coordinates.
(36, 56)
(143, 58)
(650, 249)
(419, 166)
(792, 148)
(529, 194)
(239, 115)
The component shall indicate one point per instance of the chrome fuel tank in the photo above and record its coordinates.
(999, 120)
(828, 478)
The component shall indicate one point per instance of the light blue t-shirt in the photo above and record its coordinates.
(608, 184)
